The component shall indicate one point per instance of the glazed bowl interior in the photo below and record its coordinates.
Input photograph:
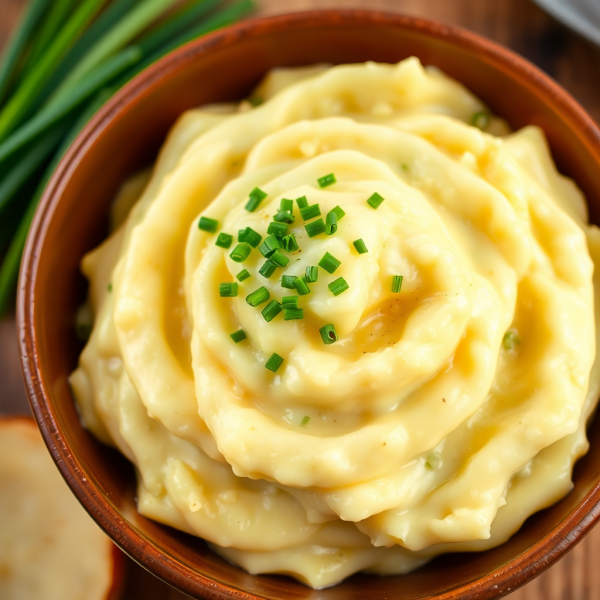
(125, 136)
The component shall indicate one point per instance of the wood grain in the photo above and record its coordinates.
(517, 24)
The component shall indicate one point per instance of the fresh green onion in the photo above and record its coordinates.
(284, 216)
(208, 224)
(290, 301)
(302, 202)
(315, 228)
(301, 286)
(287, 282)
(312, 274)
(510, 340)
(238, 336)
(241, 252)
(256, 197)
(291, 313)
(271, 311)
(279, 258)
(338, 286)
(268, 268)
(326, 180)
(250, 236)
(257, 297)
(289, 243)
(360, 246)
(224, 240)
(397, 283)
(274, 362)
(241, 235)
(339, 213)
(305, 421)
(286, 205)
(375, 200)
(228, 290)
(310, 212)
(277, 229)
(329, 262)
(331, 223)
(328, 334)
(480, 119)
(243, 275)
(269, 246)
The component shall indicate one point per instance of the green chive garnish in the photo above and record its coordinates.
(310, 212)
(286, 205)
(238, 336)
(375, 200)
(224, 240)
(241, 235)
(312, 274)
(243, 275)
(397, 283)
(284, 217)
(301, 286)
(329, 262)
(228, 290)
(268, 269)
(302, 202)
(271, 310)
(292, 313)
(338, 286)
(331, 223)
(207, 224)
(277, 229)
(328, 334)
(287, 282)
(339, 213)
(274, 362)
(250, 236)
(109, 287)
(240, 253)
(269, 246)
(326, 180)
(360, 246)
(279, 258)
(480, 119)
(256, 197)
(289, 243)
(305, 421)
(315, 228)
(257, 297)
(510, 340)
(290, 302)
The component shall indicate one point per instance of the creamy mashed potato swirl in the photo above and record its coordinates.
(443, 416)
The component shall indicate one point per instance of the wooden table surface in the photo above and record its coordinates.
(518, 24)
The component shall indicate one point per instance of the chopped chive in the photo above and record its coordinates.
(228, 290)
(331, 223)
(480, 119)
(257, 297)
(243, 275)
(268, 268)
(375, 200)
(397, 283)
(290, 301)
(328, 334)
(241, 252)
(269, 246)
(279, 258)
(310, 212)
(109, 287)
(284, 217)
(208, 224)
(274, 362)
(301, 286)
(287, 282)
(360, 246)
(312, 274)
(286, 205)
(271, 310)
(292, 313)
(339, 213)
(256, 197)
(250, 236)
(277, 229)
(305, 421)
(338, 286)
(510, 340)
(224, 240)
(329, 262)
(238, 336)
(289, 243)
(315, 228)
(326, 180)
(302, 202)
(241, 235)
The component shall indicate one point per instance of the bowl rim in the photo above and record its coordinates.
(503, 580)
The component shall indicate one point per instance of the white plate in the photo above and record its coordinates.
(581, 15)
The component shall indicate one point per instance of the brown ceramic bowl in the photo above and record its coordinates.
(125, 136)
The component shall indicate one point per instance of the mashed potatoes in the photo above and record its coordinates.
(446, 401)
